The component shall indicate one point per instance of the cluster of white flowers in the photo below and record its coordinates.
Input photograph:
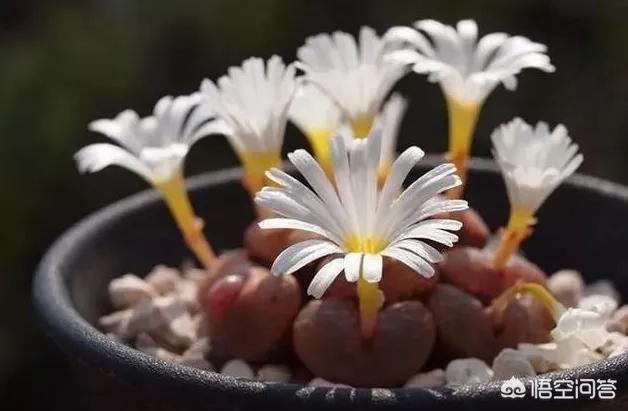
(342, 102)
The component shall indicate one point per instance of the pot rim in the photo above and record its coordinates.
(77, 337)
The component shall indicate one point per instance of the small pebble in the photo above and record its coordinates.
(179, 332)
(150, 315)
(115, 322)
(274, 373)
(320, 382)
(603, 287)
(163, 279)
(195, 355)
(434, 378)
(187, 292)
(169, 307)
(511, 363)
(148, 345)
(567, 286)
(196, 275)
(616, 343)
(199, 348)
(619, 349)
(540, 356)
(129, 290)
(143, 318)
(599, 303)
(237, 368)
(615, 326)
(620, 317)
(467, 371)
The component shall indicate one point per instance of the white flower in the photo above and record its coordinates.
(390, 120)
(359, 224)
(153, 147)
(534, 161)
(387, 122)
(253, 101)
(467, 69)
(313, 112)
(354, 74)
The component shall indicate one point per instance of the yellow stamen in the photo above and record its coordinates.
(175, 196)
(255, 164)
(537, 290)
(513, 235)
(462, 120)
(370, 298)
(361, 126)
(319, 140)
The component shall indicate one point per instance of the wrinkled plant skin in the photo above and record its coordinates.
(250, 313)
(464, 329)
(471, 269)
(524, 319)
(327, 339)
(399, 282)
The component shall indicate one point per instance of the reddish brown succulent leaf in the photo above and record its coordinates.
(471, 269)
(250, 324)
(524, 319)
(463, 328)
(327, 339)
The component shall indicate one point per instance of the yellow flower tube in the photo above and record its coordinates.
(462, 120)
(175, 196)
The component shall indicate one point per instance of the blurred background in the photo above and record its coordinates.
(64, 63)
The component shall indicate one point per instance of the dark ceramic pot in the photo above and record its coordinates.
(583, 226)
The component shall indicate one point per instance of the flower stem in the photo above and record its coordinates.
(255, 164)
(513, 235)
(537, 290)
(370, 301)
(175, 195)
(462, 120)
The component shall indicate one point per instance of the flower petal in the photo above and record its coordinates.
(95, 157)
(372, 265)
(411, 260)
(301, 254)
(353, 266)
(324, 277)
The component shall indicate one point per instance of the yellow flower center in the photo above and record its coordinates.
(368, 245)
(361, 126)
